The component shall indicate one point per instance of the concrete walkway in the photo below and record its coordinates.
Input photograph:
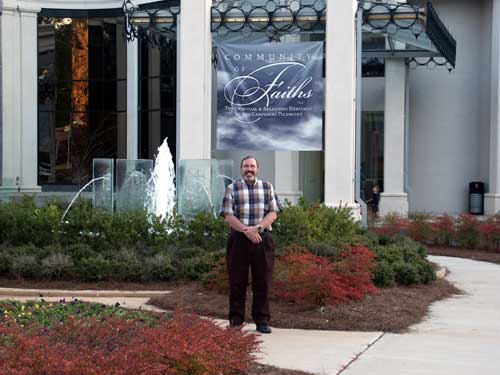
(460, 336)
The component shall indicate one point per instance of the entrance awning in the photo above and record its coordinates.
(406, 31)
(389, 30)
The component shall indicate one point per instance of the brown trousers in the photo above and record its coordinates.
(241, 255)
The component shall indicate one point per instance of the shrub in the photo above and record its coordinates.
(384, 275)
(207, 231)
(490, 232)
(217, 278)
(57, 265)
(315, 279)
(26, 266)
(393, 224)
(406, 273)
(192, 263)
(79, 251)
(325, 250)
(444, 230)
(126, 265)
(5, 262)
(420, 229)
(468, 231)
(308, 223)
(94, 268)
(22, 222)
(159, 267)
(403, 261)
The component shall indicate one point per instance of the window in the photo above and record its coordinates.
(81, 96)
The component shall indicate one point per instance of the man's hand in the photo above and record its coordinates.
(253, 234)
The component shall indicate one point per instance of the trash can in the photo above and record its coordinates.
(476, 198)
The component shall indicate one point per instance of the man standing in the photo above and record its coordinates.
(250, 206)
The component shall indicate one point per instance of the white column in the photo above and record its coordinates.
(194, 80)
(492, 199)
(132, 99)
(11, 89)
(339, 104)
(29, 98)
(20, 107)
(394, 198)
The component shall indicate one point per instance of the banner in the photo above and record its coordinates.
(270, 96)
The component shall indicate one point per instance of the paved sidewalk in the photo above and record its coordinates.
(460, 336)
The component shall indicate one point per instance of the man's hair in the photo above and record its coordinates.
(249, 157)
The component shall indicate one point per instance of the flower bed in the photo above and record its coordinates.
(77, 338)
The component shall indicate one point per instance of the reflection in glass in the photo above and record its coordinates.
(82, 96)
(201, 185)
(103, 175)
(132, 177)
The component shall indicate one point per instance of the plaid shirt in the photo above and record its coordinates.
(250, 204)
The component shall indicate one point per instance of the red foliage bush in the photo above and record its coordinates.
(306, 277)
(444, 230)
(490, 233)
(183, 345)
(420, 230)
(467, 231)
(393, 224)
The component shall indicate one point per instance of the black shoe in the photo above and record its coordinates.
(264, 328)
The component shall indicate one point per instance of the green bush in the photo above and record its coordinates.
(57, 266)
(308, 223)
(159, 267)
(207, 231)
(25, 266)
(94, 268)
(192, 263)
(23, 222)
(467, 231)
(79, 251)
(402, 261)
(406, 273)
(384, 275)
(5, 262)
(126, 265)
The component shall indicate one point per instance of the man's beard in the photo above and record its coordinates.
(249, 177)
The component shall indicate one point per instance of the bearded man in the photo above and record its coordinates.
(250, 206)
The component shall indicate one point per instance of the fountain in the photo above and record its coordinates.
(139, 186)
(160, 197)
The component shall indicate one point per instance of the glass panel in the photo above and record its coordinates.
(201, 185)
(222, 175)
(132, 177)
(193, 187)
(103, 171)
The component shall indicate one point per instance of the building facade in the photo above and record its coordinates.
(73, 89)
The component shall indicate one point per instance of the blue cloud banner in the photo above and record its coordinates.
(270, 96)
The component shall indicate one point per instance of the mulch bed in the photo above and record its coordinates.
(390, 310)
(482, 255)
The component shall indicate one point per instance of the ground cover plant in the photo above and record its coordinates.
(76, 338)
